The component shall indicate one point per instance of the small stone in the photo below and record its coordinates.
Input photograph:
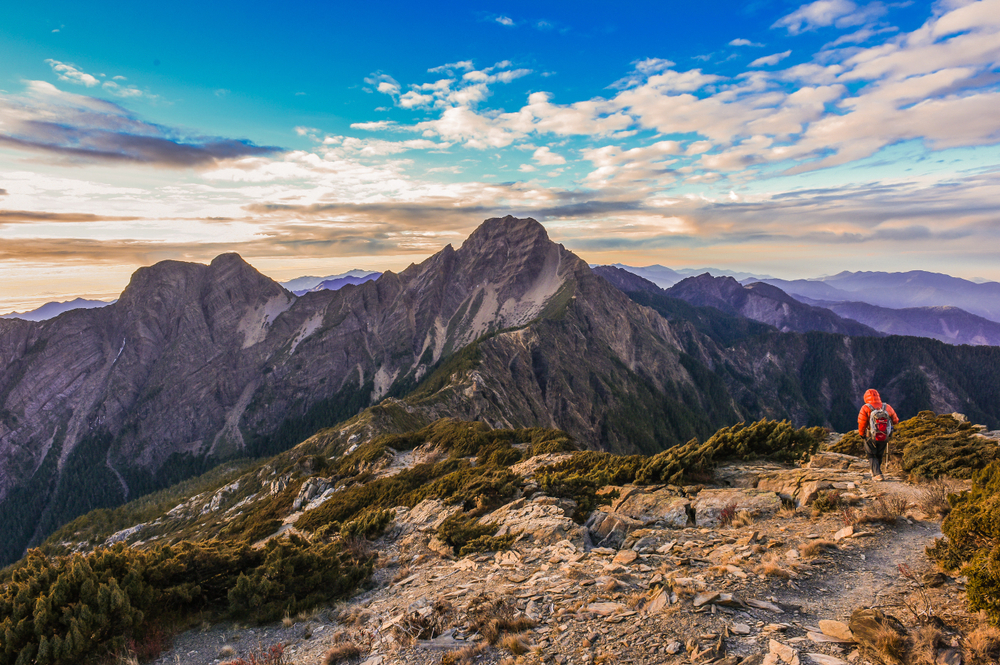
(740, 629)
(706, 597)
(846, 532)
(792, 555)
(625, 557)
(783, 651)
(605, 609)
(823, 659)
(674, 647)
(836, 629)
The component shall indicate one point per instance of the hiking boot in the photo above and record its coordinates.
(878, 478)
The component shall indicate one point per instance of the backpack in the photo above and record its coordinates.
(879, 424)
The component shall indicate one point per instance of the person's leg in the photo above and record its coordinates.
(876, 468)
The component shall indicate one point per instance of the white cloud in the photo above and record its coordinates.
(72, 74)
(504, 20)
(462, 64)
(743, 42)
(374, 126)
(546, 157)
(770, 59)
(819, 14)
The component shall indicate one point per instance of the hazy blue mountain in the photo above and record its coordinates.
(916, 288)
(947, 324)
(340, 282)
(309, 282)
(50, 310)
(666, 277)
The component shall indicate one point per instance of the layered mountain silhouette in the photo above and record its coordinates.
(916, 288)
(195, 364)
(50, 310)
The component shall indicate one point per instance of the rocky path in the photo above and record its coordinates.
(708, 594)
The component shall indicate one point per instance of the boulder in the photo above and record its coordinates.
(647, 506)
(425, 517)
(710, 503)
(609, 529)
(544, 523)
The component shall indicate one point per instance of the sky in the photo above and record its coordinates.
(774, 137)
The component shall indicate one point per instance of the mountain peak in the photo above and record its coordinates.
(506, 230)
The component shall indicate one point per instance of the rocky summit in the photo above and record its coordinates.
(197, 364)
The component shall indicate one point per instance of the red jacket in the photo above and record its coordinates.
(873, 401)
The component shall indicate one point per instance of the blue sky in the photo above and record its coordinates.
(778, 137)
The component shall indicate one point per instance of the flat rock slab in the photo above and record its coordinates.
(710, 503)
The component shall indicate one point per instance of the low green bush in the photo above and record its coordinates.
(466, 535)
(580, 477)
(74, 609)
(972, 543)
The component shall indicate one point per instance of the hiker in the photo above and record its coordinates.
(875, 423)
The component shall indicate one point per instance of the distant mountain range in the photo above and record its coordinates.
(666, 277)
(51, 310)
(758, 302)
(335, 283)
(301, 285)
(195, 364)
(899, 290)
(918, 303)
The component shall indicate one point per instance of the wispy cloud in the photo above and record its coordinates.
(79, 129)
(504, 20)
(770, 59)
(72, 74)
(825, 13)
(743, 42)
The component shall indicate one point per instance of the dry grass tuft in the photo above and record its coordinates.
(516, 644)
(891, 647)
(743, 518)
(982, 646)
(886, 508)
(227, 651)
(788, 510)
(610, 585)
(464, 656)
(494, 617)
(933, 496)
(342, 653)
(402, 574)
(816, 547)
(926, 641)
(287, 621)
(771, 566)
(635, 600)
(728, 514)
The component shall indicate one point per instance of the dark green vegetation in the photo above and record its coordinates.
(973, 540)
(455, 479)
(929, 446)
(580, 477)
(72, 609)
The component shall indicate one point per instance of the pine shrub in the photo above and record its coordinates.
(972, 543)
